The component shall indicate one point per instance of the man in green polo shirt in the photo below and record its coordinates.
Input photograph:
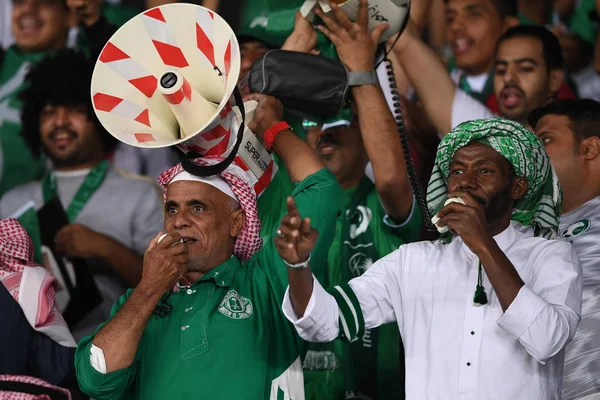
(205, 320)
(379, 215)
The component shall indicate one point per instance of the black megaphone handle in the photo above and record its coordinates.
(209, 170)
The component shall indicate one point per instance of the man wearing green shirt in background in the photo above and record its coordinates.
(39, 27)
(205, 320)
(376, 219)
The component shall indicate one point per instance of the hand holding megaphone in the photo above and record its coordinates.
(394, 13)
(268, 111)
(355, 45)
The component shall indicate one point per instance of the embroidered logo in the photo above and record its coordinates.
(576, 229)
(359, 221)
(235, 306)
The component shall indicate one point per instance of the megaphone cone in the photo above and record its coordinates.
(167, 78)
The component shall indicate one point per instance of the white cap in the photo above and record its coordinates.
(213, 181)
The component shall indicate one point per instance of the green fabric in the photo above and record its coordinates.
(484, 95)
(272, 21)
(229, 351)
(92, 182)
(541, 205)
(358, 251)
(29, 220)
(580, 22)
(323, 372)
(18, 166)
(118, 14)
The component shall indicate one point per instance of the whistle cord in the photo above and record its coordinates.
(410, 165)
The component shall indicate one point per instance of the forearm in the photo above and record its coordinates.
(299, 159)
(301, 287)
(120, 337)
(502, 274)
(123, 260)
(430, 80)
(384, 148)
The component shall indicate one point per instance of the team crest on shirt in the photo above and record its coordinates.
(235, 306)
(576, 229)
(359, 221)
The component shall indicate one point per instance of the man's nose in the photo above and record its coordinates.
(467, 181)
(61, 117)
(182, 220)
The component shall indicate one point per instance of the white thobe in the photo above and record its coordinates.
(454, 349)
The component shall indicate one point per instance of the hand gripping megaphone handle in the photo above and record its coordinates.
(208, 170)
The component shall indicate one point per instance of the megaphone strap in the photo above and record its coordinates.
(207, 170)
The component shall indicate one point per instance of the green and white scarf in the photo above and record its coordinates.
(540, 208)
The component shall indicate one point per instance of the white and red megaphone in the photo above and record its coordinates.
(168, 77)
(393, 12)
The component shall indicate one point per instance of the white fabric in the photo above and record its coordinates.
(588, 83)
(33, 279)
(582, 356)
(428, 287)
(6, 37)
(466, 108)
(213, 181)
(97, 360)
(476, 82)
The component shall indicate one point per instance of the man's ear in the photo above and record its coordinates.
(590, 148)
(509, 22)
(520, 186)
(555, 80)
(237, 219)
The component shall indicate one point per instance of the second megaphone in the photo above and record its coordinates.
(168, 77)
(393, 12)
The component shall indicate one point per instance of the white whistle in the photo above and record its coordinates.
(164, 235)
(435, 219)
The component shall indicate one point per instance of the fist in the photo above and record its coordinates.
(88, 11)
(295, 238)
(269, 111)
(164, 262)
(78, 241)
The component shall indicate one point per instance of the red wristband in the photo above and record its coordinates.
(269, 136)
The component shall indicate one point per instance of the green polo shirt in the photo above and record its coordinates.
(226, 336)
(323, 371)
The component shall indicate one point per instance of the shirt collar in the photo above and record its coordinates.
(223, 274)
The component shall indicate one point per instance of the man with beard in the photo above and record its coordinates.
(112, 216)
(39, 28)
(570, 131)
(473, 28)
(486, 311)
(528, 73)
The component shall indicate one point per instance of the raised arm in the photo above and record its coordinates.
(299, 159)
(346, 310)
(356, 48)
(428, 77)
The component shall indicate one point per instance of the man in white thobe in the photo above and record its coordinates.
(486, 311)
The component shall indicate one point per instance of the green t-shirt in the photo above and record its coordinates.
(17, 162)
(387, 237)
(226, 336)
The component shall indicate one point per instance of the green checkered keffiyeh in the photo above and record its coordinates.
(541, 205)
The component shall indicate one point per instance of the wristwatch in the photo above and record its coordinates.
(359, 78)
